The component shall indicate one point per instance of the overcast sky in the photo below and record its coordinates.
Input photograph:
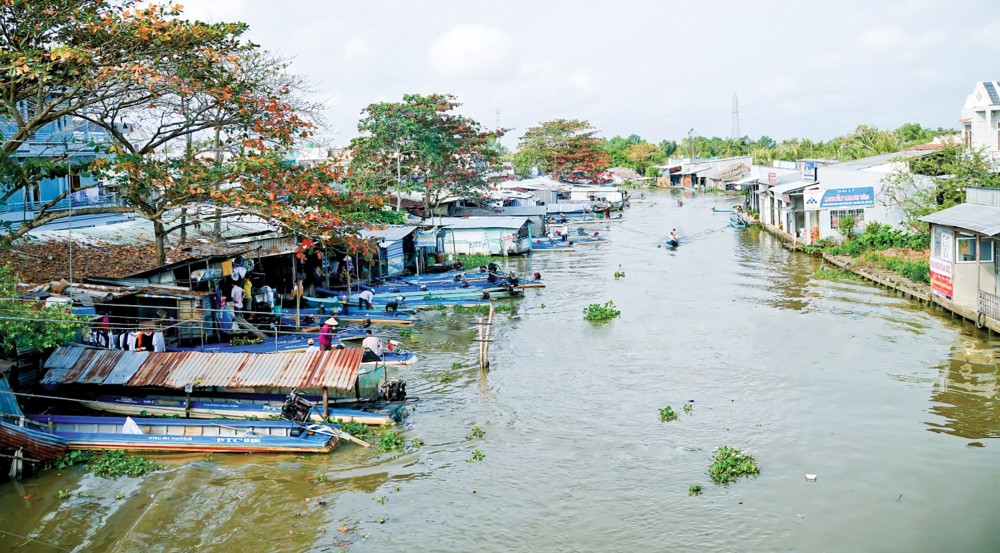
(649, 67)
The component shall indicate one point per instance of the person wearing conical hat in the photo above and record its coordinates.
(326, 334)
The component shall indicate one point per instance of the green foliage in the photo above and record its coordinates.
(447, 378)
(597, 312)
(476, 433)
(876, 237)
(484, 309)
(667, 414)
(473, 260)
(380, 499)
(417, 442)
(406, 333)
(71, 458)
(694, 489)
(619, 274)
(115, 463)
(729, 464)
(30, 325)
(476, 456)
(245, 340)
(917, 271)
(389, 440)
(828, 274)
(64, 494)
(359, 430)
(688, 408)
(456, 366)
(560, 147)
(846, 226)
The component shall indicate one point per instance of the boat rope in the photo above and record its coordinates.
(52, 545)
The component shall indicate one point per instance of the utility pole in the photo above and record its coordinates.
(691, 143)
(736, 117)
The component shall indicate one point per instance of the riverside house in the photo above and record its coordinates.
(963, 257)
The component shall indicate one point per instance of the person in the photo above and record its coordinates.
(365, 299)
(394, 304)
(326, 334)
(607, 211)
(564, 231)
(672, 240)
(373, 345)
(237, 295)
(680, 202)
(311, 346)
(248, 293)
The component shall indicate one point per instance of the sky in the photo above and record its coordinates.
(655, 68)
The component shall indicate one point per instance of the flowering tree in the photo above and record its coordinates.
(561, 147)
(420, 144)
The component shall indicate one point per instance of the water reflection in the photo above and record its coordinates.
(965, 393)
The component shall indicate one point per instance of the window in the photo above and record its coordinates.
(966, 248)
(986, 250)
(968, 135)
(837, 215)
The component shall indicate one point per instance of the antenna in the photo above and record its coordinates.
(736, 117)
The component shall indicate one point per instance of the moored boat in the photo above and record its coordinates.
(736, 221)
(188, 435)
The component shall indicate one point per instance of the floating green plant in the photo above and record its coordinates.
(476, 456)
(389, 440)
(667, 414)
(694, 489)
(598, 312)
(688, 407)
(729, 464)
(476, 433)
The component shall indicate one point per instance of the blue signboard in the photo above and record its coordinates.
(848, 197)
(809, 170)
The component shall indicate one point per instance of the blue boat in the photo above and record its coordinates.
(730, 210)
(736, 221)
(332, 306)
(219, 408)
(188, 435)
(673, 243)
(544, 245)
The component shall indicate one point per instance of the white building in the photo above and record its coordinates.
(981, 119)
(484, 235)
(810, 204)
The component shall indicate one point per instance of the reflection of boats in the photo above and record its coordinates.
(736, 221)
(173, 435)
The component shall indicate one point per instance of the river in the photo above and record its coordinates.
(892, 406)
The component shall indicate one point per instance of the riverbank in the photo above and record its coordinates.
(893, 281)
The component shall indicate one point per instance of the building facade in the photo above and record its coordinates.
(981, 119)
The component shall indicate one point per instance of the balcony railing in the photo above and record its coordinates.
(109, 199)
(989, 305)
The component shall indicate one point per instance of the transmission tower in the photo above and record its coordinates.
(498, 118)
(736, 116)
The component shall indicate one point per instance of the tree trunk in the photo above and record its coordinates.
(183, 237)
(160, 233)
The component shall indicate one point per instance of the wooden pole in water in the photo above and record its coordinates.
(486, 342)
(479, 341)
(326, 402)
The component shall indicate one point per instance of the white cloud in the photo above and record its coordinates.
(882, 40)
(356, 50)
(469, 50)
(779, 85)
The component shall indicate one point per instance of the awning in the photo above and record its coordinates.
(790, 187)
(983, 219)
(336, 369)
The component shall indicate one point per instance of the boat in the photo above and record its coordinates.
(153, 435)
(272, 344)
(587, 240)
(551, 246)
(673, 243)
(219, 408)
(730, 210)
(345, 313)
(736, 221)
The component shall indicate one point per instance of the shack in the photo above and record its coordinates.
(962, 257)
(396, 245)
(486, 235)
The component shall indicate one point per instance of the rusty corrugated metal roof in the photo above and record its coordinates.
(336, 369)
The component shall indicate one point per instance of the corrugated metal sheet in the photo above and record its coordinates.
(984, 219)
(8, 401)
(336, 369)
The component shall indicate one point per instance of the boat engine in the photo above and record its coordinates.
(394, 390)
(296, 407)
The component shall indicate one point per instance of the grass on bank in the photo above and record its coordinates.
(882, 246)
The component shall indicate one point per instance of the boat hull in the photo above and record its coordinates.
(141, 407)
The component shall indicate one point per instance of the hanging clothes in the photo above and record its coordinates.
(158, 342)
(147, 341)
(131, 341)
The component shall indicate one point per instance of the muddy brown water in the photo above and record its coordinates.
(893, 407)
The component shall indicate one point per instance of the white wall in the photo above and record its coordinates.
(831, 178)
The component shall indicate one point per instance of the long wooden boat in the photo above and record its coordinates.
(218, 408)
(736, 222)
(35, 443)
(587, 241)
(188, 435)
(730, 210)
(354, 315)
(551, 246)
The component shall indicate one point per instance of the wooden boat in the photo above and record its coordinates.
(736, 221)
(272, 344)
(218, 408)
(312, 317)
(189, 435)
(730, 210)
(35, 443)
(354, 315)
(673, 243)
(587, 241)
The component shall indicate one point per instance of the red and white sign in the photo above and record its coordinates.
(941, 283)
(772, 179)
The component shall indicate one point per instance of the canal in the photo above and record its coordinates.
(893, 407)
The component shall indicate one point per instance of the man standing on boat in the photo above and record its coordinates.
(365, 299)
(372, 347)
(672, 240)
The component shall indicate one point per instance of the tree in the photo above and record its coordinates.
(71, 59)
(643, 156)
(29, 325)
(420, 144)
(561, 147)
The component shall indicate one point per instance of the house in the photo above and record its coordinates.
(71, 140)
(809, 203)
(534, 213)
(962, 257)
(981, 119)
(485, 235)
(395, 246)
(544, 189)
